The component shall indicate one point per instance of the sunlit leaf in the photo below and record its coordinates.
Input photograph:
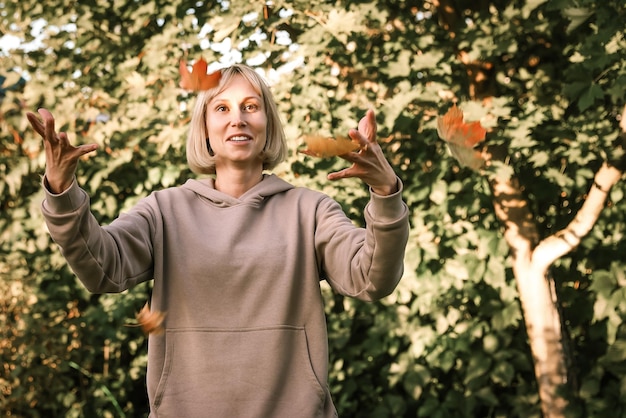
(324, 147)
(577, 16)
(461, 137)
(198, 79)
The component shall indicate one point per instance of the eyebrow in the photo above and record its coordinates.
(245, 99)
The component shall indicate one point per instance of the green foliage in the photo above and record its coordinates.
(450, 342)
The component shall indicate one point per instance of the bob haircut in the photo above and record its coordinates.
(198, 157)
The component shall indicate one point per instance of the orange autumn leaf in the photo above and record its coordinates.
(461, 137)
(324, 147)
(451, 128)
(198, 79)
(151, 322)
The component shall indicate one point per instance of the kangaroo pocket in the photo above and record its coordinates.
(257, 372)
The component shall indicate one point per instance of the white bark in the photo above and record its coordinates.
(531, 261)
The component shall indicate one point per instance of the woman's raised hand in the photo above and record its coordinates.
(61, 156)
(369, 163)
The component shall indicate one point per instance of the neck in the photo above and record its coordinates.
(236, 183)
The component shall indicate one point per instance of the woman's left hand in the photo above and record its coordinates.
(369, 163)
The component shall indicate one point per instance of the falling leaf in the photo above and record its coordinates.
(451, 128)
(461, 137)
(151, 322)
(324, 147)
(198, 79)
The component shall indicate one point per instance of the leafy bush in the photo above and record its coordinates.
(546, 78)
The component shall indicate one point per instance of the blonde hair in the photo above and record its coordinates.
(198, 157)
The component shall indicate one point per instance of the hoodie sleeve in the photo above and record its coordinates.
(106, 259)
(366, 263)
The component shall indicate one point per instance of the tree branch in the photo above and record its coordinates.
(562, 242)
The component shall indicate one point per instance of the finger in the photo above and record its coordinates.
(79, 150)
(62, 138)
(353, 157)
(367, 125)
(365, 145)
(86, 149)
(345, 173)
(35, 123)
(48, 121)
(358, 136)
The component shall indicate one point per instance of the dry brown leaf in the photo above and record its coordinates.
(151, 322)
(324, 147)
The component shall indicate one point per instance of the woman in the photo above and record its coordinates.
(236, 258)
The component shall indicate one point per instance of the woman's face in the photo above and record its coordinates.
(236, 124)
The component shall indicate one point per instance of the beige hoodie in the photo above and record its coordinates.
(245, 332)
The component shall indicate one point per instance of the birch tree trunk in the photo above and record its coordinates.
(531, 260)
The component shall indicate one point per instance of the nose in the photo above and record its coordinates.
(237, 118)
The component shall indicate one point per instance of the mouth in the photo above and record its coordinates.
(239, 138)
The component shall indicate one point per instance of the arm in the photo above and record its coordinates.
(106, 259)
(366, 263)
(112, 258)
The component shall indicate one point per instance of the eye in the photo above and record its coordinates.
(251, 107)
(221, 108)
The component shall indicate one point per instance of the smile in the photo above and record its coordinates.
(239, 138)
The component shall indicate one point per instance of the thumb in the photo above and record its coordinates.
(86, 149)
(342, 174)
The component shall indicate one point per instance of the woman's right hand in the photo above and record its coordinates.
(61, 156)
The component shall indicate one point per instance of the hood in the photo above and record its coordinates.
(269, 186)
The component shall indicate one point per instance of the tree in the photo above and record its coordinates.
(546, 78)
(531, 255)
